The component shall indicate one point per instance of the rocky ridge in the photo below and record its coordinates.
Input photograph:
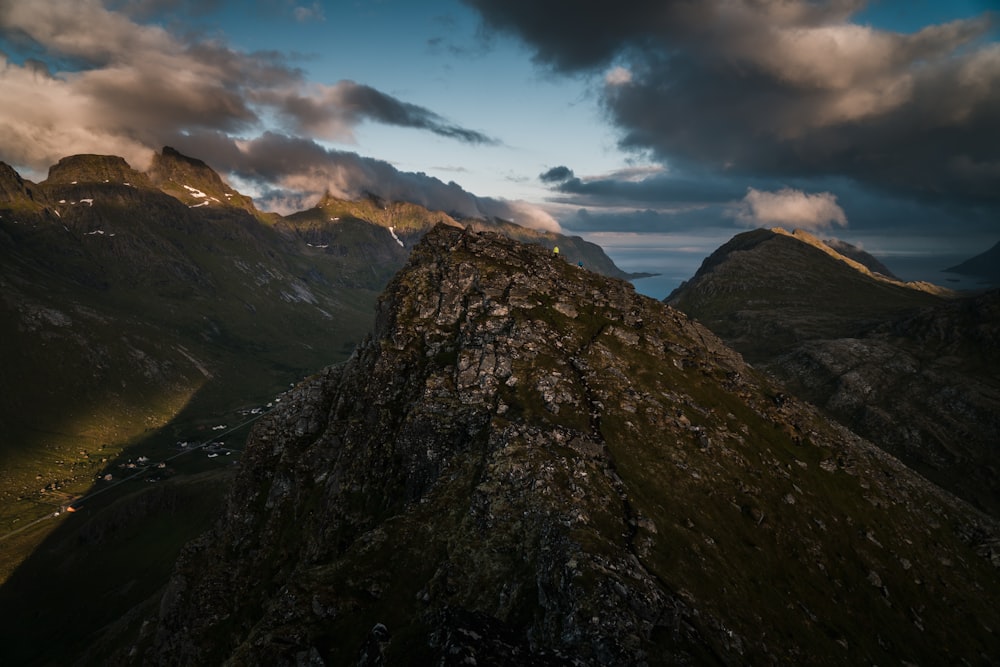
(531, 464)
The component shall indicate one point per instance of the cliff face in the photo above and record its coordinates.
(531, 464)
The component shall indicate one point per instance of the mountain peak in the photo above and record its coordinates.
(90, 169)
(193, 182)
(13, 188)
(529, 463)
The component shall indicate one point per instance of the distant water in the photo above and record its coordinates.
(676, 267)
(672, 268)
(930, 268)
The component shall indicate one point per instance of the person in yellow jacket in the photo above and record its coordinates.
(555, 251)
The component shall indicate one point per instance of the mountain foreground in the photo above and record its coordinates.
(528, 463)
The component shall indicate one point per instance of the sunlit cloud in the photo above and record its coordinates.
(791, 209)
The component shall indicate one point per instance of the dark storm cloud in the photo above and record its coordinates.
(783, 88)
(556, 175)
(651, 189)
(356, 102)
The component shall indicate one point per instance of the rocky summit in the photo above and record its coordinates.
(530, 464)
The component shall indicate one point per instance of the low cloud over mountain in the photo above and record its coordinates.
(125, 88)
(791, 209)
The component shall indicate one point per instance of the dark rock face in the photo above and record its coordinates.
(531, 464)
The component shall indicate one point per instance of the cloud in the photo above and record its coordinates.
(791, 209)
(313, 12)
(782, 88)
(556, 175)
(331, 112)
(640, 187)
(100, 82)
(618, 76)
(292, 170)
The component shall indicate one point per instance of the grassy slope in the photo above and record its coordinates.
(763, 292)
(110, 336)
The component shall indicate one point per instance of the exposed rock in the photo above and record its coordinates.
(531, 464)
(81, 169)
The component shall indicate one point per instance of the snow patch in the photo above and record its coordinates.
(393, 232)
(195, 192)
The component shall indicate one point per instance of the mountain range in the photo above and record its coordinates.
(513, 459)
(136, 302)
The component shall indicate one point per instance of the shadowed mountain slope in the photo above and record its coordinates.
(984, 265)
(913, 372)
(765, 290)
(860, 256)
(531, 464)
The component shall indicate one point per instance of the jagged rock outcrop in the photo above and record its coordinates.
(530, 464)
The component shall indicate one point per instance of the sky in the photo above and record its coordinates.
(656, 128)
